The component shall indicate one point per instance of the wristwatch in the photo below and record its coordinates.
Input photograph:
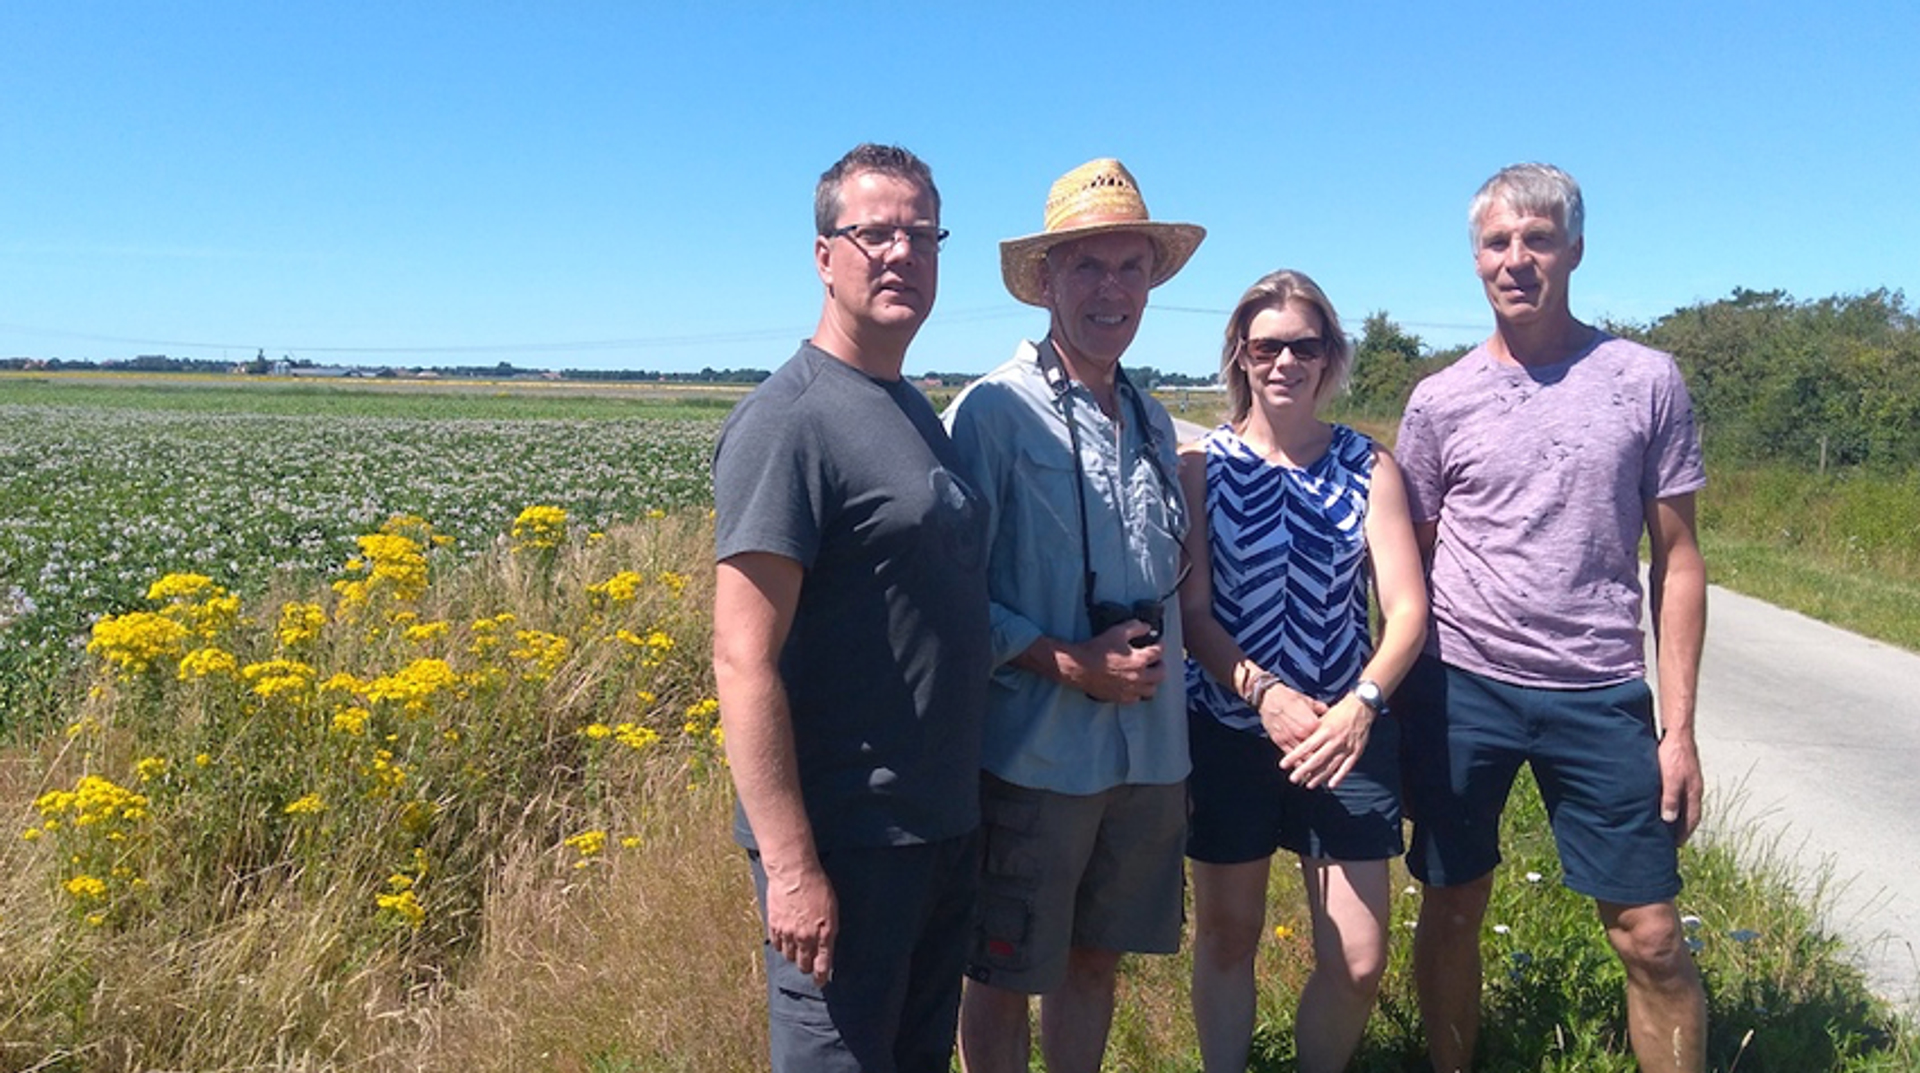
(1370, 695)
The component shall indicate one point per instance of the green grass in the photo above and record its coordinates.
(1842, 547)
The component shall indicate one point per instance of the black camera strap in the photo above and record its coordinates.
(1056, 376)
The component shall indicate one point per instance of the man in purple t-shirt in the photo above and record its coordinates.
(1533, 466)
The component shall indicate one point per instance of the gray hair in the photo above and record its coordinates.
(1271, 291)
(1538, 189)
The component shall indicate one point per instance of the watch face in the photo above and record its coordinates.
(1371, 695)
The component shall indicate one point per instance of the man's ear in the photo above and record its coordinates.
(823, 259)
(1579, 250)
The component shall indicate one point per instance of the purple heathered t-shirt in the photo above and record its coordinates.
(1540, 480)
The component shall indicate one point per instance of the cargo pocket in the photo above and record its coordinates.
(1010, 880)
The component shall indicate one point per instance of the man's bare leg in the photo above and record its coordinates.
(1075, 1017)
(1446, 970)
(1666, 1004)
(995, 1036)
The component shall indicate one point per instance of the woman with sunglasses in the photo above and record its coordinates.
(1294, 517)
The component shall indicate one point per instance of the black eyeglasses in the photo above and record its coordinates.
(1266, 351)
(878, 239)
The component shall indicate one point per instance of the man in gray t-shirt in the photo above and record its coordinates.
(850, 647)
(1534, 464)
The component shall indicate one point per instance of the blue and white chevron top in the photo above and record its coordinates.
(1289, 559)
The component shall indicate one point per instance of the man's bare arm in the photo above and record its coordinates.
(755, 597)
(1677, 599)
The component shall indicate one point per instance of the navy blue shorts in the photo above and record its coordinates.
(1243, 807)
(1594, 753)
(893, 1003)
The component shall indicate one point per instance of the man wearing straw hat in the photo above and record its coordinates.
(850, 649)
(1083, 795)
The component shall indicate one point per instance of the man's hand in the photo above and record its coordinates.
(1335, 745)
(1681, 784)
(1290, 718)
(803, 919)
(1109, 668)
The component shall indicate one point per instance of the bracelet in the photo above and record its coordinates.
(1261, 685)
(1245, 673)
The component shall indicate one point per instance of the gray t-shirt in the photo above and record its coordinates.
(886, 666)
(1539, 478)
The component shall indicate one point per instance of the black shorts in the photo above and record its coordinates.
(1244, 808)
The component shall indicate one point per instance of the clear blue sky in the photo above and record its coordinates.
(628, 185)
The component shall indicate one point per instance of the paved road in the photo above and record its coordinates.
(1810, 736)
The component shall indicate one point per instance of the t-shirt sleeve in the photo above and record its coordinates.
(769, 491)
(1417, 450)
(1673, 465)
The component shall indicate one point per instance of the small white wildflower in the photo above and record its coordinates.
(1501, 929)
(1534, 877)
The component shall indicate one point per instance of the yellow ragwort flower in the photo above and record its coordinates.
(588, 844)
(300, 623)
(84, 887)
(406, 905)
(306, 805)
(618, 589)
(415, 685)
(542, 652)
(539, 527)
(137, 640)
(273, 678)
(207, 662)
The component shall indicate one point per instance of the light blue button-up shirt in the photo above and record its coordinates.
(1010, 430)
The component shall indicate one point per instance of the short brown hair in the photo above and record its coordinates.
(889, 160)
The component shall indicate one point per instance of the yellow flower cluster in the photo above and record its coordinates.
(632, 735)
(351, 720)
(426, 632)
(93, 800)
(539, 528)
(541, 651)
(588, 843)
(137, 640)
(703, 721)
(288, 679)
(414, 686)
(653, 647)
(621, 588)
(305, 805)
(388, 775)
(392, 562)
(300, 623)
(402, 901)
(94, 822)
(207, 662)
(196, 602)
(486, 632)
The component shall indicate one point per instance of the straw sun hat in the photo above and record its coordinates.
(1096, 198)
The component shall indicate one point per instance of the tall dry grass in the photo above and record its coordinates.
(517, 861)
